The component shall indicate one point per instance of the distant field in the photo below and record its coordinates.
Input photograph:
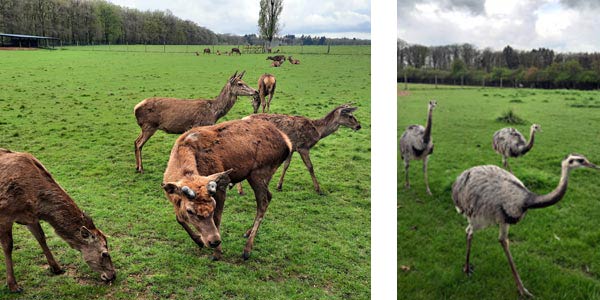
(334, 50)
(556, 249)
(74, 111)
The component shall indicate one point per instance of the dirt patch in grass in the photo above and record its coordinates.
(403, 93)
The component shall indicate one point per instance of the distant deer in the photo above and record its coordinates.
(218, 52)
(269, 49)
(227, 53)
(266, 86)
(236, 50)
(206, 50)
(277, 63)
(276, 58)
(28, 194)
(293, 61)
(305, 133)
(203, 162)
(197, 54)
(174, 115)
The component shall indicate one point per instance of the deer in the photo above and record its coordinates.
(304, 133)
(206, 51)
(276, 57)
(174, 115)
(218, 52)
(277, 63)
(293, 61)
(236, 50)
(205, 160)
(266, 86)
(28, 194)
(197, 54)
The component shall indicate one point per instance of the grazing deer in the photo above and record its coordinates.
(305, 133)
(205, 160)
(206, 51)
(266, 86)
(293, 61)
(236, 50)
(277, 63)
(218, 52)
(28, 194)
(174, 115)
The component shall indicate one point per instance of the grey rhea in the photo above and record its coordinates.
(416, 144)
(488, 195)
(509, 142)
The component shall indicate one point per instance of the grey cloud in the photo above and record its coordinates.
(473, 6)
(581, 4)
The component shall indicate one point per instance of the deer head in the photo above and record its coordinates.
(194, 202)
(238, 87)
(345, 117)
(94, 249)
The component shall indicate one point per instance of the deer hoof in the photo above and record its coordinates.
(246, 255)
(215, 257)
(15, 289)
(57, 271)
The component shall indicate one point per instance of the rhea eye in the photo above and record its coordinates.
(580, 161)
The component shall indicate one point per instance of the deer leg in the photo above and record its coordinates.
(503, 239)
(425, 161)
(304, 154)
(195, 236)
(240, 189)
(261, 191)
(286, 164)
(406, 165)
(147, 132)
(263, 102)
(6, 238)
(269, 102)
(38, 233)
(468, 269)
(218, 212)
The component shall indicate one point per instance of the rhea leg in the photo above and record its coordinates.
(406, 165)
(505, 163)
(468, 268)
(425, 161)
(286, 164)
(503, 239)
(305, 155)
(38, 233)
(147, 132)
(6, 238)
(259, 181)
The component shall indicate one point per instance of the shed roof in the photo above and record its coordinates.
(24, 36)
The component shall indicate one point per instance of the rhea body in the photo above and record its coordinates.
(509, 142)
(488, 195)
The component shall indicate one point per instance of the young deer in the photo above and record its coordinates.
(28, 194)
(174, 115)
(266, 86)
(304, 133)
(203, 162)
(293, 61)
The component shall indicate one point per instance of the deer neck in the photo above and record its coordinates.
(325, 126)
(59, 210)
(530, 142)
(541, 201)
(427, 134)
(223, 103)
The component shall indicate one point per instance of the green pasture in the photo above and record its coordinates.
(73, 110)
(556, 249)
(288, 50)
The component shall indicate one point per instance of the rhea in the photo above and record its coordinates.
(488, 195)
(509, 142)
(416, 144)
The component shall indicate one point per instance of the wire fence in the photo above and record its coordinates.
(226, 49)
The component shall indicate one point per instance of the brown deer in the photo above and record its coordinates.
(293, 61)
(266, 86)
(28, 194)
(197, 54)
(218, 52)
(206, 51)
(277, 63)
(236, 50)
(205, 160)
(276, 57)
(305, 133)
(174, 115)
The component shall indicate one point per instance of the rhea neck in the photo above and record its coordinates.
(530, 143)
(541, 201)
(427, 134)
(223, 103)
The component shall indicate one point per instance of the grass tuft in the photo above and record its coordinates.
(510, 117)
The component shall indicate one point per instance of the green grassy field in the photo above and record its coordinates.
(556, 249)
(74, 111)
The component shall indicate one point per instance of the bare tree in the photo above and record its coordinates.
(268, 19)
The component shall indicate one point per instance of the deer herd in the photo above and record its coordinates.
(205, 161)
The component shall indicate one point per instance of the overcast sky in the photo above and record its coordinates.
(332, 18)
(562, 25)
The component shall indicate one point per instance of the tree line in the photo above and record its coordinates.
(85, 22)
(464, 64)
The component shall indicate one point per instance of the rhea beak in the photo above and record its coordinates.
(591, 165)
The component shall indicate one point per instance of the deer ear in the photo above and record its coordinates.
(233, 77)
(221, 179)
(86, 234)
(349, 110)
(170, 187)
(242, 74)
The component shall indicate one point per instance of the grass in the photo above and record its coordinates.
(555, 249)
(74, 111)
(510, 117)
